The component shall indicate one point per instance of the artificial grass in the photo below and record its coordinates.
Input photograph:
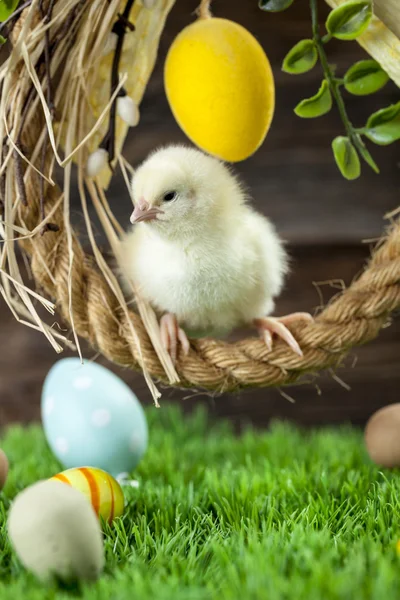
(267, 515)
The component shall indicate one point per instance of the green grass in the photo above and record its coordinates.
(277, 514)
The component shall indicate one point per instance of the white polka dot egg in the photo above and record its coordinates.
(91, 417)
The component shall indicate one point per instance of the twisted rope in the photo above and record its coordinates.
(351, 319)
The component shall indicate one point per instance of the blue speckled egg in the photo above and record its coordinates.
(91, 417)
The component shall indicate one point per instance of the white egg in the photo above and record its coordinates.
(56, 533)
(92, 418)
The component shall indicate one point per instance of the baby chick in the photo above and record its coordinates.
(204, 259)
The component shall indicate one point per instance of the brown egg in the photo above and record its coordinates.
(3, 469)
(382, 436)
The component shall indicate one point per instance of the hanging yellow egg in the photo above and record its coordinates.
(100, 488)
(220, 87)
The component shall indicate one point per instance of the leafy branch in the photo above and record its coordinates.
(347, 22)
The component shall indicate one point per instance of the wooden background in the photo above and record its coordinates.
(294, 180)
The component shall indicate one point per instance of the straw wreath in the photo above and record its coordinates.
(70, 62)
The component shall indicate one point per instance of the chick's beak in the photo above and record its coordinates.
(143, 212)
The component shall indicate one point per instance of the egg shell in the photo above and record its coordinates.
(382, 436)
(55, 532)
(91, 417)
(3, 469)
(220, 88)
(101, 489)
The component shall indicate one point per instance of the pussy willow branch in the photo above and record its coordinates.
(331, 79)
(119, 29)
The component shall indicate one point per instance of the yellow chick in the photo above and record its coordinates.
(204, 259)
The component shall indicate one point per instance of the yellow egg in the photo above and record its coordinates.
(101, 489)
(220, 87)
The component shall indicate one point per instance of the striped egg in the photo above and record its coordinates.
(100, 488)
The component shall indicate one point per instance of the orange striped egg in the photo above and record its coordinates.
(100, 488)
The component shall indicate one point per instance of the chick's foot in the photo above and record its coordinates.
(172, 335)
(269, 326)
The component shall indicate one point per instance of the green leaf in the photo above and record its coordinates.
(301, 58)
(2, 40)
(316, 106)
(348, 21)
(275, 5)
(366, 155)
(383, 127)
(7, 7)
(365, 77)
(346, 157)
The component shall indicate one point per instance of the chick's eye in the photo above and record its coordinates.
(169, 196)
